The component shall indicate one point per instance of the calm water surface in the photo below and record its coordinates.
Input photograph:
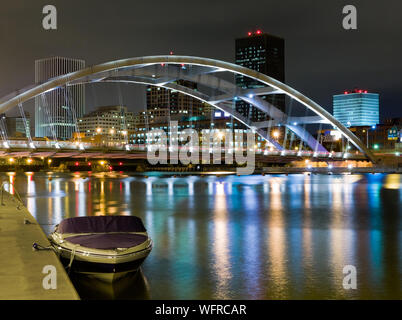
(250, 237)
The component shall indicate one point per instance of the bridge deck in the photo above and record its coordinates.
(20, 267)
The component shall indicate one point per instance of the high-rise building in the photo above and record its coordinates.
(264, 53)
(162, 102)
(56, 111)
(357, 108)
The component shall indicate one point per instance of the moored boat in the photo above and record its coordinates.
(104, 247)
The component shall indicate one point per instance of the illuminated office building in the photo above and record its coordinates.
(357, 108)
(264, 53)
(56, 111)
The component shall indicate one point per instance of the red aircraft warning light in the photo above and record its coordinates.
(258, 32)
(355, 91)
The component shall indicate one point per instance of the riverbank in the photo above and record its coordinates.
(21, 268)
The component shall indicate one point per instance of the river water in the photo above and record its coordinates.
(247, 237)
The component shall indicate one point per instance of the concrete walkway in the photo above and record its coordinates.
(21, 267)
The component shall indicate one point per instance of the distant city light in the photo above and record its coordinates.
(249, 33)
(275, 134)
(11, 160)
(376, 146)
(258, 32)
(29, 160)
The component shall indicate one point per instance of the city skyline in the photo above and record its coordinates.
(322, 59)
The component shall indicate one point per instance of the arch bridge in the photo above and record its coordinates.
(215, 86)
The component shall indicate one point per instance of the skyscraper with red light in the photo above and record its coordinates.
(264, 53)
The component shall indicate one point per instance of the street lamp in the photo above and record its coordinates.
(275, 134)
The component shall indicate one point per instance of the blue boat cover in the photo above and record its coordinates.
(101, 224)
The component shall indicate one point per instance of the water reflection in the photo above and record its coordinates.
(132, 286)
(248, 237)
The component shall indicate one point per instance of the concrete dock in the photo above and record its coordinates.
(21, 268)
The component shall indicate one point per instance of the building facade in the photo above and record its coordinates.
(17, 127)
(264, 53)
(162, 102)
(111, 123)
(56, 111)
(357, 108)
(385, 136)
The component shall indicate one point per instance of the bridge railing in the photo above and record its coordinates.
(124, 147)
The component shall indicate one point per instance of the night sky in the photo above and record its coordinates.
(322, 58)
